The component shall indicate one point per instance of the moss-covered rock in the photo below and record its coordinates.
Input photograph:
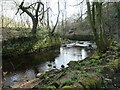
(90, 81)
(115, 64)
(50, 88)
(67, 88)
(56, 84)
(78, 85)
(95, 56)
(73, 63)
(112, 67)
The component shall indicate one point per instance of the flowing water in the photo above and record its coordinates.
(26, 68)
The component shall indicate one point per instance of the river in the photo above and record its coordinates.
(26, 68)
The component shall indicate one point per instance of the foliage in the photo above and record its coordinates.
(99, 69)
(30, 44)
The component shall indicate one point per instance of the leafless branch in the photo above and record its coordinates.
(78, 3)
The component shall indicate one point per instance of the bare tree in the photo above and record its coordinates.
(38, 7)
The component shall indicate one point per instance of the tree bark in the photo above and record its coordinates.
(34, 27)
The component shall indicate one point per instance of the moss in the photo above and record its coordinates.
(115, 64)
(95, 56)
(75, 77)
(91, 81)
(89, 73)
(78, 85)
(93, 62)
(50, 88)
(98, 69)
(107, 69)
(42, 76)
(56, 84)
(112, 66)
(73, 64)
(67, 88)
(68, 82)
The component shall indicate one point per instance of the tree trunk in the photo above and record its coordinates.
(34, 27)
(91, 16)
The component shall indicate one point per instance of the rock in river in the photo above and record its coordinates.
(38, 75)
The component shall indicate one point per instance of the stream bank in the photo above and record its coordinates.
(96, 71)
(56, 58)
(99, 71)
(22, 46)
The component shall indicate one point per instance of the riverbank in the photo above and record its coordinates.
(27, 45)
(42, 62)
(95, 72)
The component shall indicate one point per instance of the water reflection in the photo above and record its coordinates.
(68, 54)
(18, 77)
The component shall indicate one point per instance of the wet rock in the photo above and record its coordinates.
(90, 45)
(109, 80)
(62, 66)
(49, 65)
(107, 52)
(42, 76)
(38, 75)
(81, 42)
(64, 45)
(15, 81)
(54, 66)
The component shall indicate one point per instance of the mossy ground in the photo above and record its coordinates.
(92, 73)
(28, 45)
(95, 72)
